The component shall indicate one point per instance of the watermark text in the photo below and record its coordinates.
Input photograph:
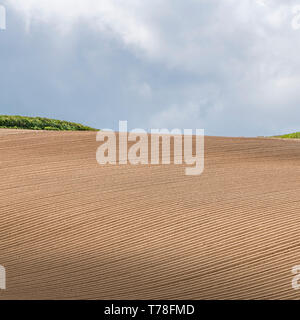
(296, 278)
(138, 147)
(2, 278)
(2, 17)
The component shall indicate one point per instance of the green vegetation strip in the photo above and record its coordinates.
(295, 135)
(19, 122)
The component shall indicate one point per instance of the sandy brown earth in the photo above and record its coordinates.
(72, 229)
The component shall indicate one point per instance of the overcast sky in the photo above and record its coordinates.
(231, 67)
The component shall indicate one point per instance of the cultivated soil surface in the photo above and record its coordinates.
(72, 229)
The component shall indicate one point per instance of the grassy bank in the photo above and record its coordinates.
(295, 135)
(37, 123)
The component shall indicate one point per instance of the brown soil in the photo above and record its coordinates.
(72, 229)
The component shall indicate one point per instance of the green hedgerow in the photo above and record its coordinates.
(38, 123)
(295, 135)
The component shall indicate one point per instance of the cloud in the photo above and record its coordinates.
(229, 66)
(115, 17)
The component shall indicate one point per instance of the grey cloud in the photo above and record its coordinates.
(230, 67)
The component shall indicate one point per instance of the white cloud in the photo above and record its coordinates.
(184, 35)
(176, 116)
(119, 17)
(246, 53)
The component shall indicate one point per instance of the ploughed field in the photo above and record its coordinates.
(72, 229)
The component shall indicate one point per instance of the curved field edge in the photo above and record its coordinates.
(38, 123)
